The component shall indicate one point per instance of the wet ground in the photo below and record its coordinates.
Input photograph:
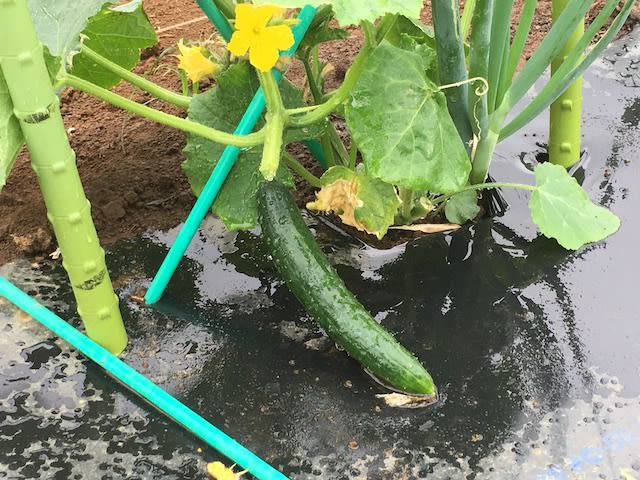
(536, 350)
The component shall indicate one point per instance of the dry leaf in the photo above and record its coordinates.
(403, 400)
(428, 227)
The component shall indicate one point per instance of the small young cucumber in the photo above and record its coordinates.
(316, 284)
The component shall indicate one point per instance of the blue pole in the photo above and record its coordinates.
(219, 175)
(141, 385)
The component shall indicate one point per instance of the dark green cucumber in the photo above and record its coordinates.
(316, 284)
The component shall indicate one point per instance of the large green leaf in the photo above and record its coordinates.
(562, 209)
(400, 122)
(352, 12)
(362, 201)
(222, 108)
(11, 138)
(58, 23)
(117, 34)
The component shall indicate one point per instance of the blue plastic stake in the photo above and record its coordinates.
(219, 174)
(141, 385)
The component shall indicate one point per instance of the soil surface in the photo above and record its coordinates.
(130, 167)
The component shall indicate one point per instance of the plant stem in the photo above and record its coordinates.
(134, 79)
(485, 186)
(272, 150)
(483, 155)
(185, 82)
(407, 198)
(327, 149)
(272, 95)
(330, 141)
(297, 167)
(311, 77)
(274, 128)
(183, 124)
(295, 111)
(340, 95)
(337, 144)
(486, 147)
(369, 34)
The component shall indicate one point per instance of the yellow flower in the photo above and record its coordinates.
(252, 34)
(193, 61)
(218, 471)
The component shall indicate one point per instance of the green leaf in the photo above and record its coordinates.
(462, 207)
(352, 12)
(320, 31)
(52, 63)
(117, 34)
(562, 209)
(414, 29)
(362, 201)
(222, 107)
(11, 138)
(59, 23)
(400, 123)
(413, 36)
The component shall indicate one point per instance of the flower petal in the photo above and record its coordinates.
(241, 40)
(245, 19)
(278, 36)
(182, 47)
(250, 17)
(194, 62)
(263, 56)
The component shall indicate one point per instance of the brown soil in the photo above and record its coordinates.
(130, 167)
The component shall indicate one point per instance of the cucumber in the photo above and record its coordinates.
(318, 287)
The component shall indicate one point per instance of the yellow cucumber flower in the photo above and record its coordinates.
(261, 41)
(194, 62)
(218, 471)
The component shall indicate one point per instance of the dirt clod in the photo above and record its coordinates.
(35, 243)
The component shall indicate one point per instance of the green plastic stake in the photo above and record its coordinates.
(37, 108)
(141, 385)
(566, 110)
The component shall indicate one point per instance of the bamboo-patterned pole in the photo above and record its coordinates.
(37, 108)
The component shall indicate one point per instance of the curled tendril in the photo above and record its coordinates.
(479, 91)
